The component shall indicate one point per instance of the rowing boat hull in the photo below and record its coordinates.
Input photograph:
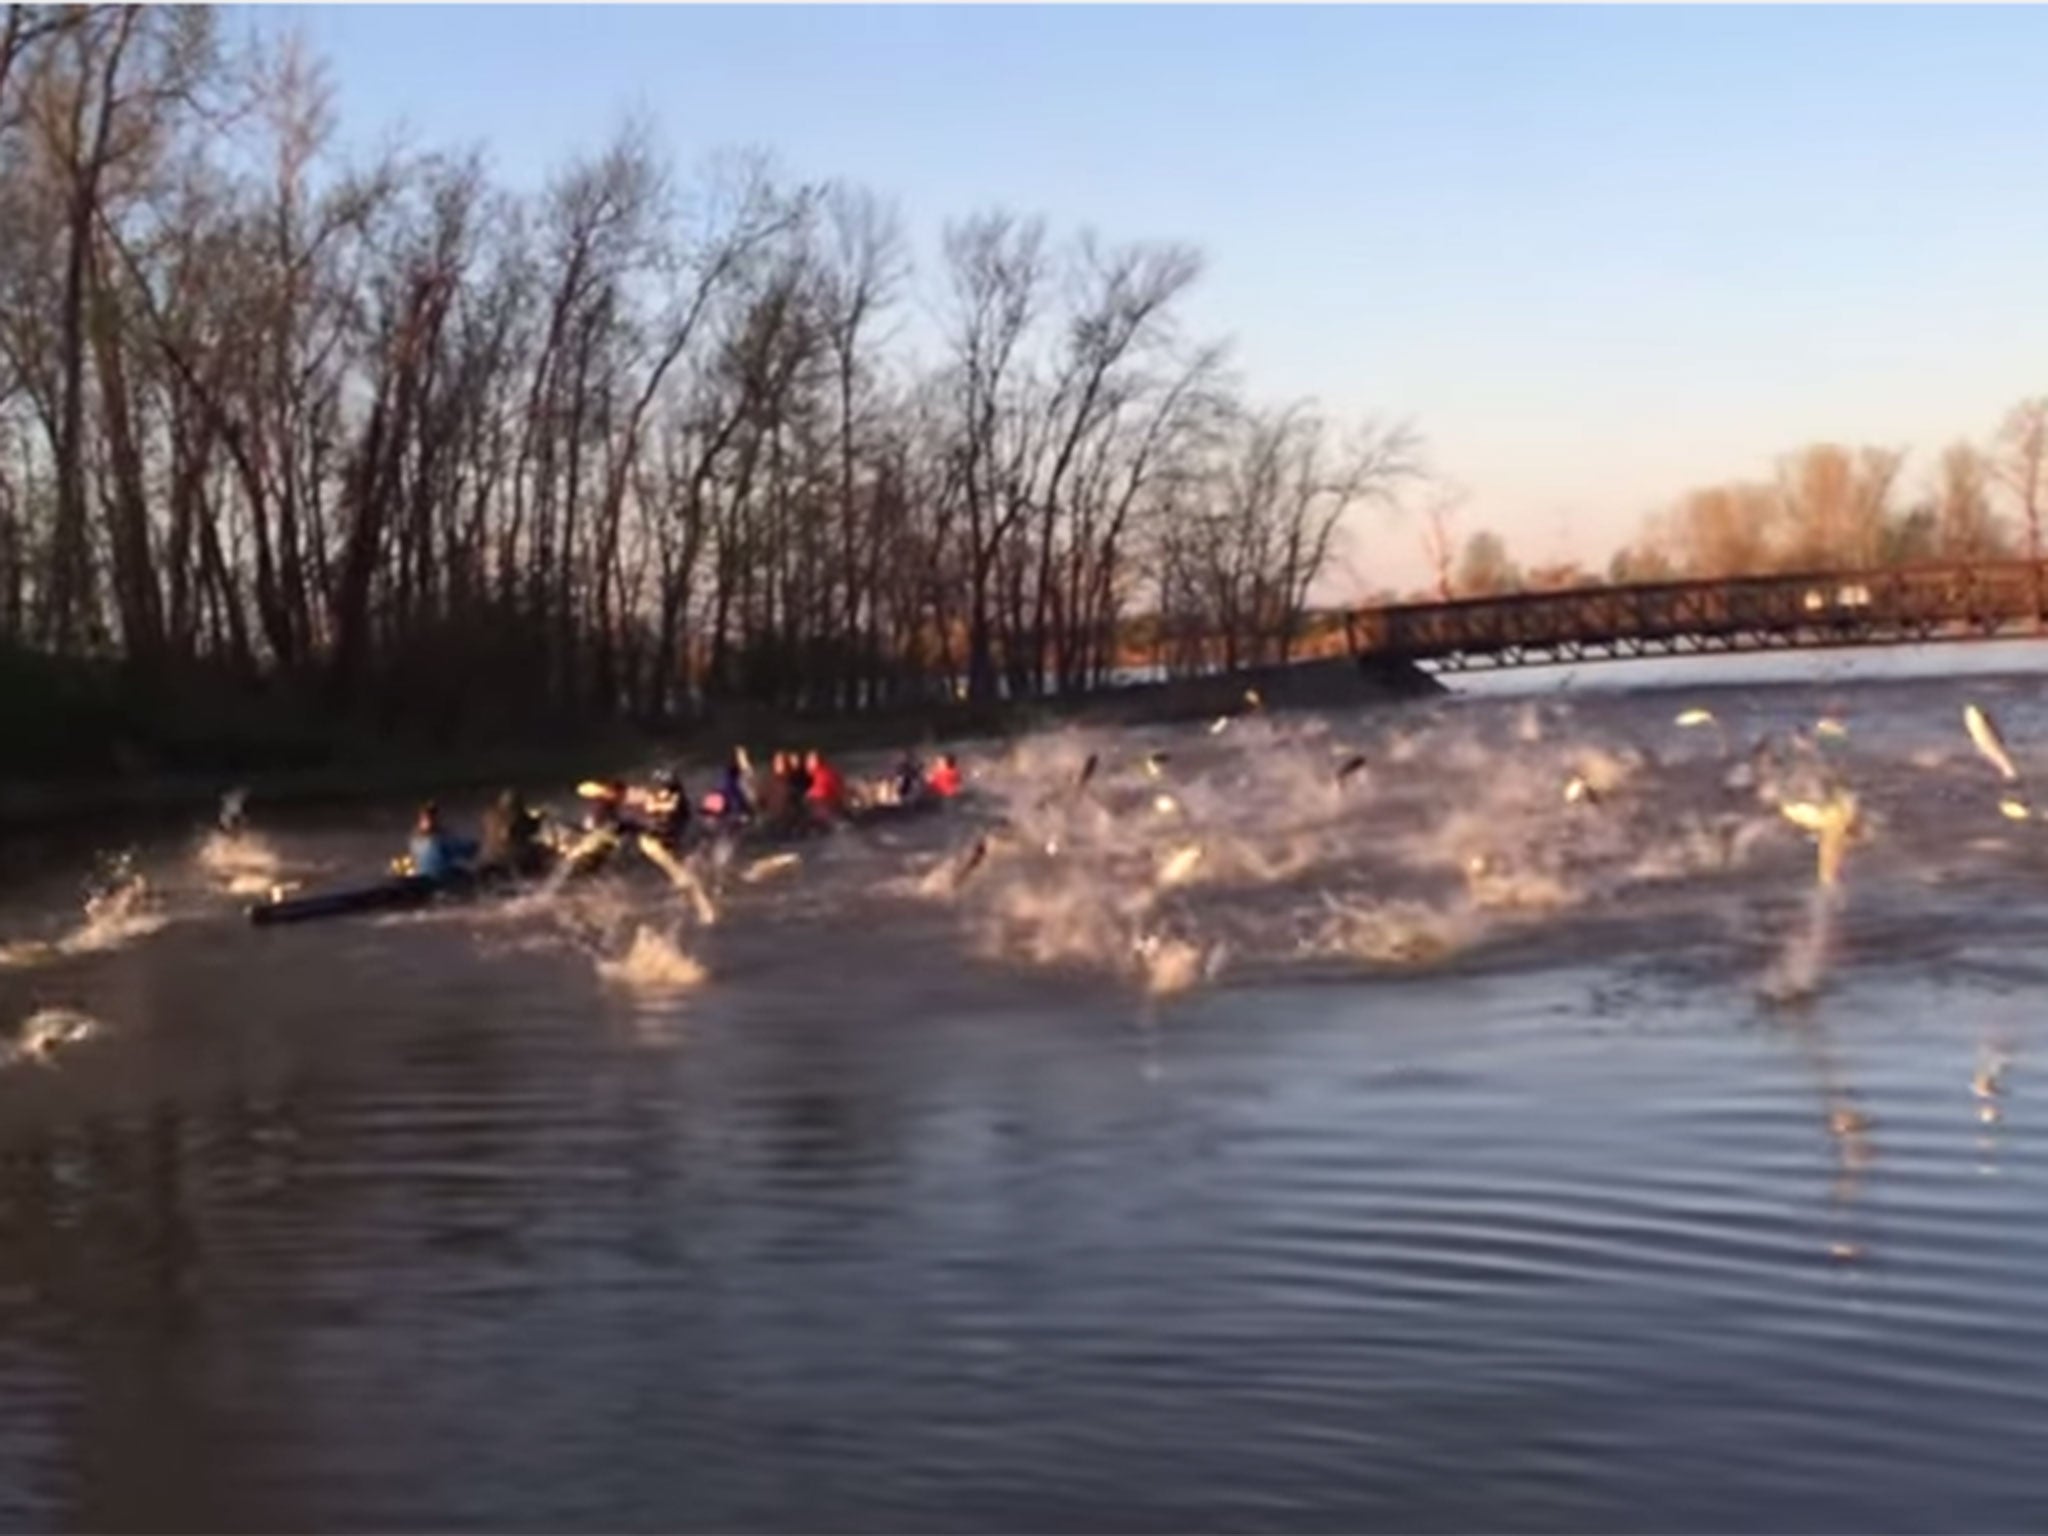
(392, 895)
(400, 892)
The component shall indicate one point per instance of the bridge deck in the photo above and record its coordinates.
(1911, 604)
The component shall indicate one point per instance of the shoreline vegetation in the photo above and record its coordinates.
(342, 768)
(315, 461)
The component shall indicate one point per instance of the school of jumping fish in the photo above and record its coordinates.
(1794, 776)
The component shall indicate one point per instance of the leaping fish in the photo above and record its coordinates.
(1155, 764)
(1984, 732)
(1692, 717)
(1353, 764)
(1832, 822)
(773, 864)
(972, 862)
(1180, 864)
(679, 875)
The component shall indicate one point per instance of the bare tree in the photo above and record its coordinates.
(377, 438)
(1485, 568)
(1441, 505)
(1969, 527)
(996, 265)
(2022, 468)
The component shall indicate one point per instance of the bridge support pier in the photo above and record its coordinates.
(1398, 677)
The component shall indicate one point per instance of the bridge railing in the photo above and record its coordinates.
(1745, 612)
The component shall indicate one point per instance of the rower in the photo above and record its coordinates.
(796, 773)
(777, 801)
(827, 797)
(730, 801)
(437, 855)
(667, 807)
(511, 838)
(909, 781)
(607, 799)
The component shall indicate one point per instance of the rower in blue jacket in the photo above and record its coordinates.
(438, 855)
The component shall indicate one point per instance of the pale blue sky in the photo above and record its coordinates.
(1596, 254)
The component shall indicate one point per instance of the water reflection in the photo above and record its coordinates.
(1988, 1090)
(1849, 1130)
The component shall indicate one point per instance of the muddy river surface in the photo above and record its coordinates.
(1512, 1133)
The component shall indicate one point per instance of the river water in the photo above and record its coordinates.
(1433, 1149)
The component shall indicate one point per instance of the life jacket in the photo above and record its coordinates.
(436, 855)
(668, 812)
(827, 787)
(606, 811)
(945, 780)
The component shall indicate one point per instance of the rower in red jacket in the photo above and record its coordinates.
(827, 794)
(944, 779)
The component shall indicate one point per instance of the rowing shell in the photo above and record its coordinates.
(391, 895)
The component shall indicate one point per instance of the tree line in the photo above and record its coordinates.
(1827, 507)
(1832, 507)
(637, 444)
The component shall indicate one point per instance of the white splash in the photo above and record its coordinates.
(1397, 933)
(1496, 886)
(238, 856)
(46, 1032)
(1168, 966)
(654, 963)
(115, 915)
